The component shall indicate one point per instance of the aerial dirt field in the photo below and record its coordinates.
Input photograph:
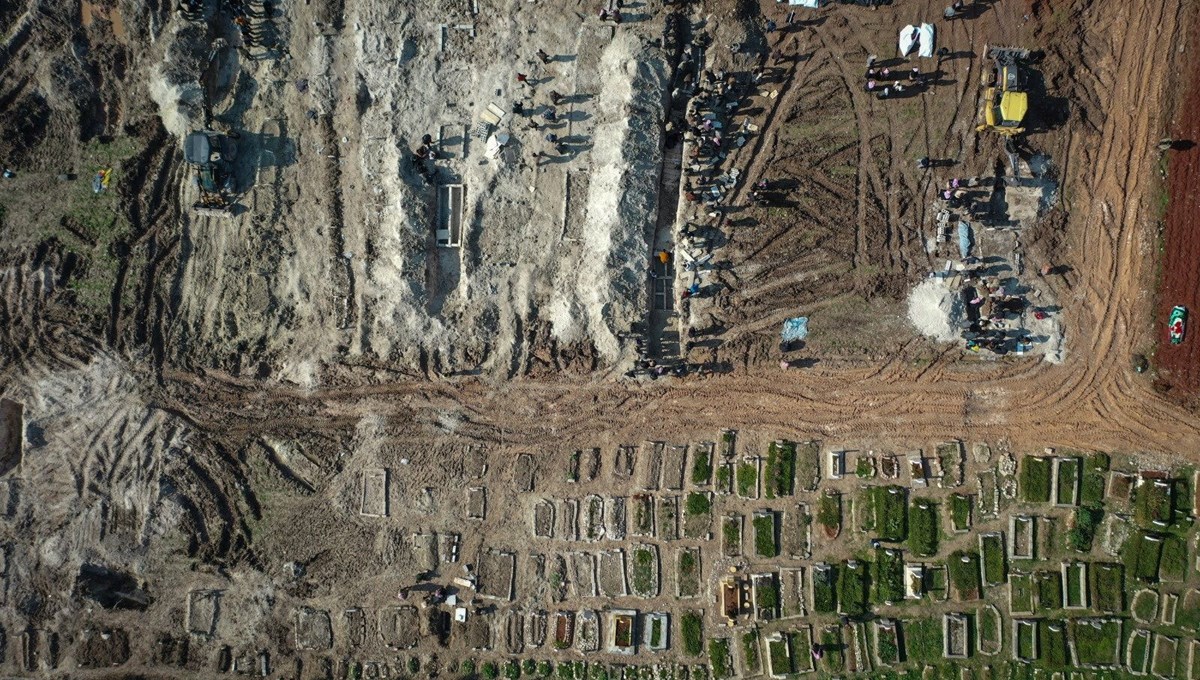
(230, 441)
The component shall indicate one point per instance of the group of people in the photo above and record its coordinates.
(878, 78)
(423, 158)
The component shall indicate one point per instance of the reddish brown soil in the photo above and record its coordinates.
(1179, 365)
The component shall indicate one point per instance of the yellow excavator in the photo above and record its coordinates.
(1005, 100)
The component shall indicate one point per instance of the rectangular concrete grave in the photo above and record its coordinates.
(424, 551)
(988, 500)
(700, 472)
(622, 631)
(956, 642)
(497, 574)
(643, 574)
(479, 631)
(564, 629)
(792, 592)
(796, 532)
(1193, 660)
(611, 574)
(1025, 640)
(557, 576)
(355, 621)
(643, 515)
(593, 518)
(765, 595)
(887, 646)
(587, 632)
(543, 519)
(523, 473)
(801, 644)
(514, 631)
(674, 460)
(313, 629)
(1067, 478)
(649, 468)
(1170, 602)
(1075, 585)
(535, 628)
(731, 535)
(1166, 649)
(477, 503)
(451, 203)
(583, 574)
(1022, 532)
(667, 519)
(614, 514)
(203, 611)
(1137, 652)
(375, 493)
(951, 456)
(448, 547)
(624, 462)
(656, 630)
(399, 627)
(589, 464)
(688, 572)
(570, 520)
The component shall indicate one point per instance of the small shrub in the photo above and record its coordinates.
(544, 669)
(490, 671)
(701, 468)
(467, 668)
(512, 670)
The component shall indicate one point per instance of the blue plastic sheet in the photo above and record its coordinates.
(795, 329)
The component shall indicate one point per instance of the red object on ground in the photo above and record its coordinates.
(1179, 365)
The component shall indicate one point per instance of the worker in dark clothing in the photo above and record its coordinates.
(541, 54)
(555, 97)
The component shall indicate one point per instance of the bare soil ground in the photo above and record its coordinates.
(203, 399)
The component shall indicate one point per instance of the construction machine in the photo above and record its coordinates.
(210, 152)
(1005, 98)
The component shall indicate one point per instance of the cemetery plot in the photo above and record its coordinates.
(731, 535)
(889, 575)
(543, 519)
(924, 529)
(314, 630)
(1075, 585)
(990, 630)
(765, 531)
(611, 574)
(668, 518)
(887, 642)
(375, 493)
(643, 515)
(991, 546)
(1097, 642)
(477, 503)
(1022, 531)
(747, 477)
(523, 472)
(615, 513)
(583, 574)
(593, 518)
(780, 469)
(1025, 640)
(570, 520)
(964, 575)
(496, 575)
(890, 505)
(1137, 653)
(1068, 474)
(956, 643)
(399, 627)
(1021, 594)
(649, 466)
(808, 465)
(644, 571)
(960, 513)
(702, 463)
(797, 532)
(203, 611)
(1166, 650)
(674, 460)
(697, 518)
(1108, 587)
(749, 651)
(1052, 643)
(1036, 479)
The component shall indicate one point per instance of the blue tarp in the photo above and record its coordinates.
(795, 329)
(964, 239)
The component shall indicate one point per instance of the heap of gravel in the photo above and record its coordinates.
(935, 310)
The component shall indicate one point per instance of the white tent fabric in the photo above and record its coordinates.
(921, 39)
(927, 45)
(814, 4)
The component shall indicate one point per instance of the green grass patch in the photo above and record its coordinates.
(825, 589)
(731, 534)
(1068, 480)
(765, 544)
(964, 574)
(1035, 479)
(923, 640)
(888, 646)
(1143, 553)
(766, 594)
(889, 575)
(829, 511)
(1075, 585)
(1097, 641)
(691, 631)
(781, 659)
(960, 512)
(1153, 505)
(724, 479)
(747, 479)
(891, 512)
(781, 469)
(994, 566)
(1021, 593)
(701, 467)
(852, 588)
(1095, 474)
(750, 647)
(698, 503)
(1049, 590)
(689, 572)
(1052, 641)
(924, 528)
(1108, 587)
(718, 658)
(833, 648)
(644, 566)
(1174, 563)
